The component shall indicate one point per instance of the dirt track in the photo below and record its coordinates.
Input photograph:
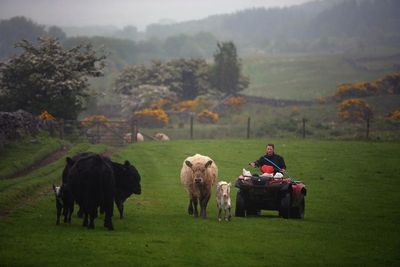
(53, 157)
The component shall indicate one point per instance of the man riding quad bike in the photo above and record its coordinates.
(269, 191)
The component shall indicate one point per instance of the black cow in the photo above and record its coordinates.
(70, 162)
(127, 182)
(92, 183)
(127, 179)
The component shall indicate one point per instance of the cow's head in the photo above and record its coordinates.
(134, 177)
(199, 170)
(58, 193)
(224, 189)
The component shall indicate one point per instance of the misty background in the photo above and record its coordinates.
(141, 31)
(277, 41)
(120, 13)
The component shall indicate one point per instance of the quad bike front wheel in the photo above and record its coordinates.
(298, 212)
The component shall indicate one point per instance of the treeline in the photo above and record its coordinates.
(49, 77)
(322, 26)
(121, 51)
(319, 26)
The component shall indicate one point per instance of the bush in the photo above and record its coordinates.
(207, 116)
(152, 118)
(358, 89)
(88, 121)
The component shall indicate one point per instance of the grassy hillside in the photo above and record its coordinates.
(20, 190)
(305, 77)
(351, 213)
(17, 156)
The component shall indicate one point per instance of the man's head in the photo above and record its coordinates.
(270, 149)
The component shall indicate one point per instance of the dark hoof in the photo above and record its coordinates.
(109, 226)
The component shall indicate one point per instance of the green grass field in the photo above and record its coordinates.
(351, 215)
(306, 77)
(13, 157)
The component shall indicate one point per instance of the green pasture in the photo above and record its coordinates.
(16, 192)
(14, 157)
(351, 215)
(306, 77)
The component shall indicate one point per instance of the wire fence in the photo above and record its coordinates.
(120, 133)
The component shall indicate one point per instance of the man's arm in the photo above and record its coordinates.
(282, 164)
(256, 163)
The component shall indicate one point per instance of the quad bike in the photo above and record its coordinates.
(270, 192)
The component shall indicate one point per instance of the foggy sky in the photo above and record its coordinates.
(126, 12)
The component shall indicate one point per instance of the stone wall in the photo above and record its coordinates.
(15, 125)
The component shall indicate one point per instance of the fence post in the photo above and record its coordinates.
(304, 128)
(133, 131)
(97, 141)
(191, 127)
(248, 128)
(61, 127)
(367, 134)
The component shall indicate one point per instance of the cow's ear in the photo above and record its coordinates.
(188, 163)
(69, 161)
(54, 188)
(127, 163)
(208, 164)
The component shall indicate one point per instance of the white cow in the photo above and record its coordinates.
(224, 200)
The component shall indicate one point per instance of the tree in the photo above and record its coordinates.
(144, 96)
(356, 110)
(226, 73)
(49, 77)
(187, 78)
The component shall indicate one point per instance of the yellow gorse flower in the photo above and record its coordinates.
(395, 115)
(186, 105)
(207, 116)
(235, 101)
(94, 118)
(158, 114)
(45, 115)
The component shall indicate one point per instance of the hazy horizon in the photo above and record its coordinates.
(120, 13)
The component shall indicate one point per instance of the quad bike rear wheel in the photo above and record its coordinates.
(284, 209)
(240, 210)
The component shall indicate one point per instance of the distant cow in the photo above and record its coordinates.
(224, 200)
(128, 137)
(64, 203)
(161, 137)
(198, 174)
(92, 184)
